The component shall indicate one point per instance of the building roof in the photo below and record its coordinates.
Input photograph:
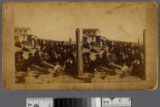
(22, 28)
(90, 30)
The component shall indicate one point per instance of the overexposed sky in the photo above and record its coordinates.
(116, 21)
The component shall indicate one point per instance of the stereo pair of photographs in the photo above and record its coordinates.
(79, 45)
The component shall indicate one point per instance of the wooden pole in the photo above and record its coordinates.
(144, 46)
(79, 53)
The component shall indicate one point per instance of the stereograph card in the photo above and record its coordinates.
(79, 45)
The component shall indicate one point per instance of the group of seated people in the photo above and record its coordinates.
(64, 54)
(125, 55)
(53, 52)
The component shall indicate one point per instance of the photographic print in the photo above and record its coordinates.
(80, 45)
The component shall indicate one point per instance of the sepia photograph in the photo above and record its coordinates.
(80, 45)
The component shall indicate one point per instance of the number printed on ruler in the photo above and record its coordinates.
(116, 102)
(39, 102)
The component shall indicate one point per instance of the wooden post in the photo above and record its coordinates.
(79, 53)
(144, 46)
(70, 41)
(138, 41)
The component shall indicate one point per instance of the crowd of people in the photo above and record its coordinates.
(53, 52)
(129, 56)
(60, 53)
(63, 54)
